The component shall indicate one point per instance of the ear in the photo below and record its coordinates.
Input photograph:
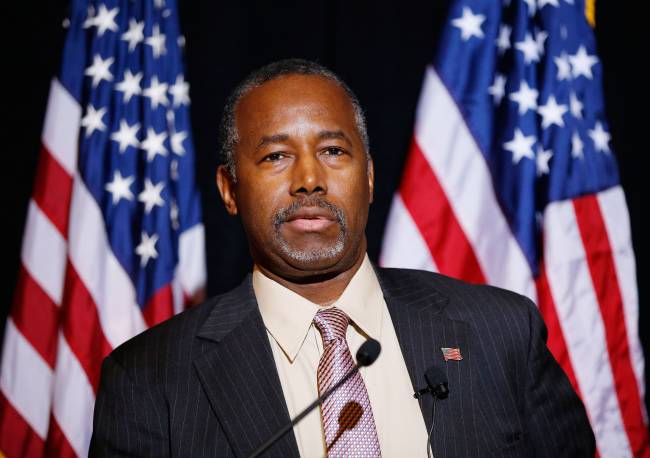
(371, 179)
(226, 185)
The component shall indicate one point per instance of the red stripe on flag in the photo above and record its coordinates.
(52, 190)
(556, 342)
(57, 444)
(17, 438)
(82, 327)
(160, 306)
(429, 207)
(603, 276)
(36, 316)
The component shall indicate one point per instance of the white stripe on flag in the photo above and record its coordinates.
(191, 259)
(177, 293)
(61, 126)
(452, 152)
(103, 276)
(26, 380)
(74, 399)
(577, 308)
(403, 245)
(615, 215)
(44, 252)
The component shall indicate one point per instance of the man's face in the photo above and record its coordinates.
(304, 183)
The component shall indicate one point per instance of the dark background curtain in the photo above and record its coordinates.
(380, 48)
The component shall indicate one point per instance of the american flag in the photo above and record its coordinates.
(452, 354)
(113, 241)
(511, 180)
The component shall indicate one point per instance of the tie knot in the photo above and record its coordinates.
(332, 324)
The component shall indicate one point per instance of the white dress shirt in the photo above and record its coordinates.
(297, 347)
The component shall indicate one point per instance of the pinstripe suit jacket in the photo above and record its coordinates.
(204, 383)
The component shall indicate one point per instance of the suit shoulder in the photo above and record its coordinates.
(174, 330)
(463, 297)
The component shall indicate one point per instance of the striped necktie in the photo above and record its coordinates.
(346, 415)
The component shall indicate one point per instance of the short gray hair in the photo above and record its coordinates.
(228, 129)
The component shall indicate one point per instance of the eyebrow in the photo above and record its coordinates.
(277, 138)
(333, 134)
(322, 135)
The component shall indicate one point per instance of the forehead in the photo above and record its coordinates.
(292, 97)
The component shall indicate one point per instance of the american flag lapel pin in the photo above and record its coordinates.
(451, 354)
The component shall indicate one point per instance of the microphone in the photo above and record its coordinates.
(366, 355)
(437, 384)
(438, 387)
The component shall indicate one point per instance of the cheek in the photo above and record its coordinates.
(354, 194)
(258, 206)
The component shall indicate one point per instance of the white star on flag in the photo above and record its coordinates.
(156, 92)
(90, 18)
(147, 248)
(540, 39)
(150, 196)
(543, 3)
(552, 113)
(469, 24)
(525, 97)
(577, 147)
(180, 91)
(126, 135)
(581, 63)
(529, 48)
(105, 19)
(154, 144)
(173, 214)
(130, 85)
(173, 170)
(575, 106)
(498, 88)
(520, 146)
(563, 67)
(503, 40)
(99, 70)
(93, 120)
(600, 138)
(135, 34)
(532, 7)
(120, 187)
(542, 159)
(157, 42)
(176, 141)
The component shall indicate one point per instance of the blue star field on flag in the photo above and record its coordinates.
(135, 145)
(528, 81)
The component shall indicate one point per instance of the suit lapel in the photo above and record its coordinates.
(238, 374)
(418, 312)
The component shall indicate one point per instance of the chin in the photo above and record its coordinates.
(318, 258)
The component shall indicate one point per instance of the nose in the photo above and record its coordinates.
(308, 176)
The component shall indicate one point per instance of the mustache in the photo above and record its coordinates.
(283, 215)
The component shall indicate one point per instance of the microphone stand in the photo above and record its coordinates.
(304, 413)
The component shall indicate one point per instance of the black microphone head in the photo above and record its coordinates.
(368, 352)
(437, 381)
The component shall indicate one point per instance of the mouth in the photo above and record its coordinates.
(310, 219)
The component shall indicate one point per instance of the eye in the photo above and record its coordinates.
(334, 151)
(274, 157)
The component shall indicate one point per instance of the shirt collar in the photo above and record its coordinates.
(288, 316)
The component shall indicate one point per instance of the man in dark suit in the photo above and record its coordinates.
(221, 378)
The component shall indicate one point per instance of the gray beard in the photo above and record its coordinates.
(318, 254)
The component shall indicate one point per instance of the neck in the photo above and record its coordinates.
(322, 290)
